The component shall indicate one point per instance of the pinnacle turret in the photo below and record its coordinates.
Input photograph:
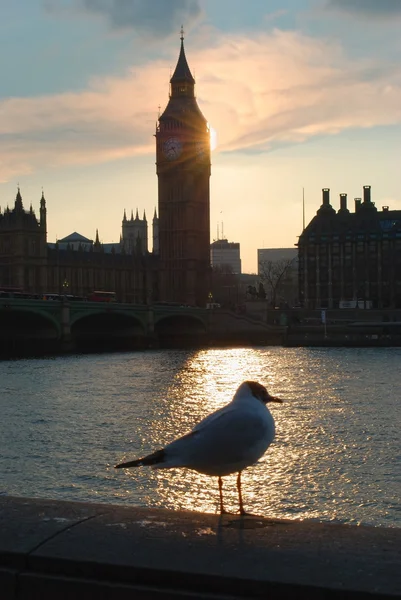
(43, 213)
(18, 201)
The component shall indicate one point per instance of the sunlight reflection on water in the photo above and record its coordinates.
(336, 455)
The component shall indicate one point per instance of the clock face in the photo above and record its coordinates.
(172, 148)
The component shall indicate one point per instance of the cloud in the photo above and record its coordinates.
(259, 94)
(370, 8)
(158, 18)
(287, 87)
(100, 124)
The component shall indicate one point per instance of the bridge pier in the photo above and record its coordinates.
(65, 322)
(150, 321)
(153, 341)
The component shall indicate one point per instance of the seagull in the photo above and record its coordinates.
(227, 441)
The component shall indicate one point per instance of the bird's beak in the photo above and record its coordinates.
(275, 399)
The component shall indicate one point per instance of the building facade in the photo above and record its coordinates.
(349, 258)
(183, 170)
(75, 265)
(23, 247)
(276, 255)
(135, 233)
(225, 254)
(177, 270)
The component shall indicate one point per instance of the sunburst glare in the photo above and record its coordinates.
(213, 138)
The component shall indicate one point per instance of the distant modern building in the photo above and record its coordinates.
(275, 255)
(226, 254)
(278, 271)
(348, 257)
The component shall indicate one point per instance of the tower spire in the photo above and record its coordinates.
(182, 71)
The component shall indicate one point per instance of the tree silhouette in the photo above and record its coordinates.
(273, 273)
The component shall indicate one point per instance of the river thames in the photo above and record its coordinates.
(66, 421)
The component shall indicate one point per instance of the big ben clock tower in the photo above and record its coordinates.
(183, 169)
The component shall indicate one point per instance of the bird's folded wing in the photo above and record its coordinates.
(218, 414)
(235, 426)
(224, 438)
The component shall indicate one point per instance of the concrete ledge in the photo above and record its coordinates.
(69, 550)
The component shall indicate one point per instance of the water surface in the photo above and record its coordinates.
(66, 421)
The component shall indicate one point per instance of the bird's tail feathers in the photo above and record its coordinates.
(155, 459)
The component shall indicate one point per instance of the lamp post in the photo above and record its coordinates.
(65, 288)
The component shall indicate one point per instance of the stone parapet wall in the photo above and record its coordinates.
(70, 550)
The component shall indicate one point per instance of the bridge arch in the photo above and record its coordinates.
(180, 330)
(100, 312)
(104, 328)
(17, 318)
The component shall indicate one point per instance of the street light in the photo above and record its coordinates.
(65, 287)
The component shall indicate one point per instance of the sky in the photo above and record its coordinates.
(302, 95)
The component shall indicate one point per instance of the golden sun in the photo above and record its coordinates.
(213, 138)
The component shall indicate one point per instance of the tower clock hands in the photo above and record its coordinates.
(172, 148)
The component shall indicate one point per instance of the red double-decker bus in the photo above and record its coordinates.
(101, 296)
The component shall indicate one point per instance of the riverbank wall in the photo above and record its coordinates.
(68, 550)
(26, 333)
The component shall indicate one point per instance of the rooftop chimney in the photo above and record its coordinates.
(326, 196)
(343, 202)
(385, 208)
(358, 203)
(366, 194)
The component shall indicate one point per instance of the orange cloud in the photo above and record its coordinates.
(258, 93)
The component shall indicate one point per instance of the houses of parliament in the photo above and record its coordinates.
(178, 267)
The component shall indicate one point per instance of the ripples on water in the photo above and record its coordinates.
(66, 421)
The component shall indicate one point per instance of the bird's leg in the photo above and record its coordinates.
(242, 510)
(241, 505)
(222, 511)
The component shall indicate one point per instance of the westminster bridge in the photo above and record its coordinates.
(30, 325)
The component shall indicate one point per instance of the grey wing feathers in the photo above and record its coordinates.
(213, 417)
(223, 439)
